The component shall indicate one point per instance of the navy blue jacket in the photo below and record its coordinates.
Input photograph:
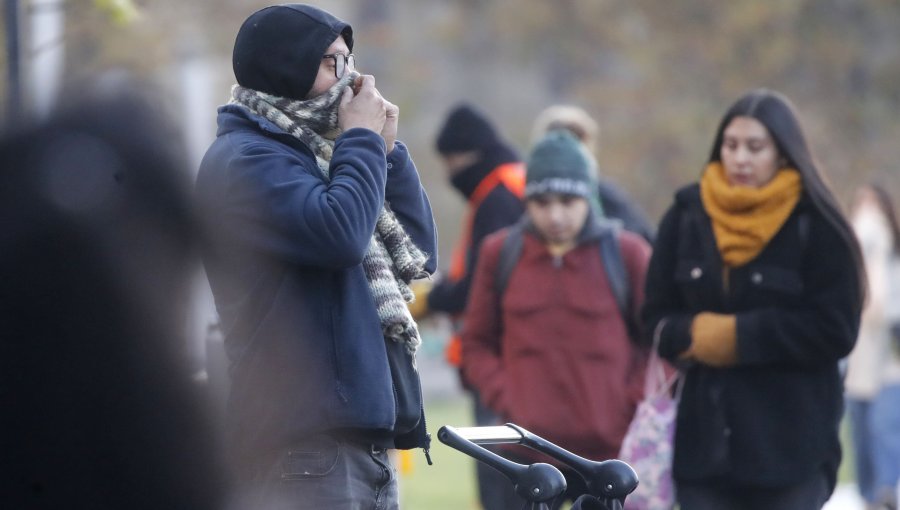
(284, 262)
(772, 419)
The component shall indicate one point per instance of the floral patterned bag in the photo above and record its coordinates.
(647, 446)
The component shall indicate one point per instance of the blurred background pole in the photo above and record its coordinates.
(13, 59)
(47, 49)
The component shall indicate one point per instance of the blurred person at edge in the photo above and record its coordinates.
(755, 289)
(489, 174)
(319, 223)
(873, 369)
(96, 258)
(615, 203)
(552, 352)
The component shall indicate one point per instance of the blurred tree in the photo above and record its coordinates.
(657, 75)
(121, 12)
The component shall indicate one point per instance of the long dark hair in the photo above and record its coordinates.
(777, 114)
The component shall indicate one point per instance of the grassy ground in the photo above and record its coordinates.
(845, 473)
(449, 484)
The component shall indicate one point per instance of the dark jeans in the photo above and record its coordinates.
(859, 413)
(321, 473)
(811, 494)
(886, 429)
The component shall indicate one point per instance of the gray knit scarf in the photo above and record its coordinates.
(392, 261)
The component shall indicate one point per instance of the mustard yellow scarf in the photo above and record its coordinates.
(744, 219)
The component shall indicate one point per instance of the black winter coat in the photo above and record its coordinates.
(772, 419)
(500, 208)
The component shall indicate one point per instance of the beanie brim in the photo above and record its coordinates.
(558, 185)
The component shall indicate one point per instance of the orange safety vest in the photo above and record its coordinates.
(511, 175)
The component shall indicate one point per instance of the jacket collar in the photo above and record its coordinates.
(233, 117)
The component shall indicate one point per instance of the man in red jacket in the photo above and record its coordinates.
(551, 351)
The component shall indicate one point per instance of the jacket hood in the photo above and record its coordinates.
(278, 49)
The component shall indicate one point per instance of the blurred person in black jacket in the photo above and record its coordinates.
(488, 173)
(96, 255)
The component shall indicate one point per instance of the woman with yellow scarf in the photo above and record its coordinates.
(754, 290)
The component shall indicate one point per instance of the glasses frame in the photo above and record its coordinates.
(343, 63)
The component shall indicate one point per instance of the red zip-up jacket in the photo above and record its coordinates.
(552, 354)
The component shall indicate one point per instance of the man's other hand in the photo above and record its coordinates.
(366, 109)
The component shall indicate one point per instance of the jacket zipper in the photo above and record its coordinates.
(427, 448)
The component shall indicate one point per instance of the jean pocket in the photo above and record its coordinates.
(313, 459)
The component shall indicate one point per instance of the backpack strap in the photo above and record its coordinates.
(510, 252)
(616, 272)
(617, 275)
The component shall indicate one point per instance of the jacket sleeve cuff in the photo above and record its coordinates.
(675, 336)
(397, 159)
(358, 133)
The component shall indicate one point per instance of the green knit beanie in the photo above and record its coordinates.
(558, 164)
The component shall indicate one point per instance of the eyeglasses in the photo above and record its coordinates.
(341, 63)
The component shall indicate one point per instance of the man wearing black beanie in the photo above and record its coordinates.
(310, 268)
(488, 173)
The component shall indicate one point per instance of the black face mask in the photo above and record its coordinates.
(279, 49)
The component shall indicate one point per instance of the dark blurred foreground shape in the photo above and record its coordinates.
(96, 255)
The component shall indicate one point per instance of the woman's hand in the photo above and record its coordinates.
(713, 339)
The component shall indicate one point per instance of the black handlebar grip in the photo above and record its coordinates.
(536, 482)
(609, 479)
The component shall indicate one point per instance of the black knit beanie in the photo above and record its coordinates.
(279, 49)
(466, 129)
(558, 163)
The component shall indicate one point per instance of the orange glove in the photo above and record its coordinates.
(713, 339)
(418, 308)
